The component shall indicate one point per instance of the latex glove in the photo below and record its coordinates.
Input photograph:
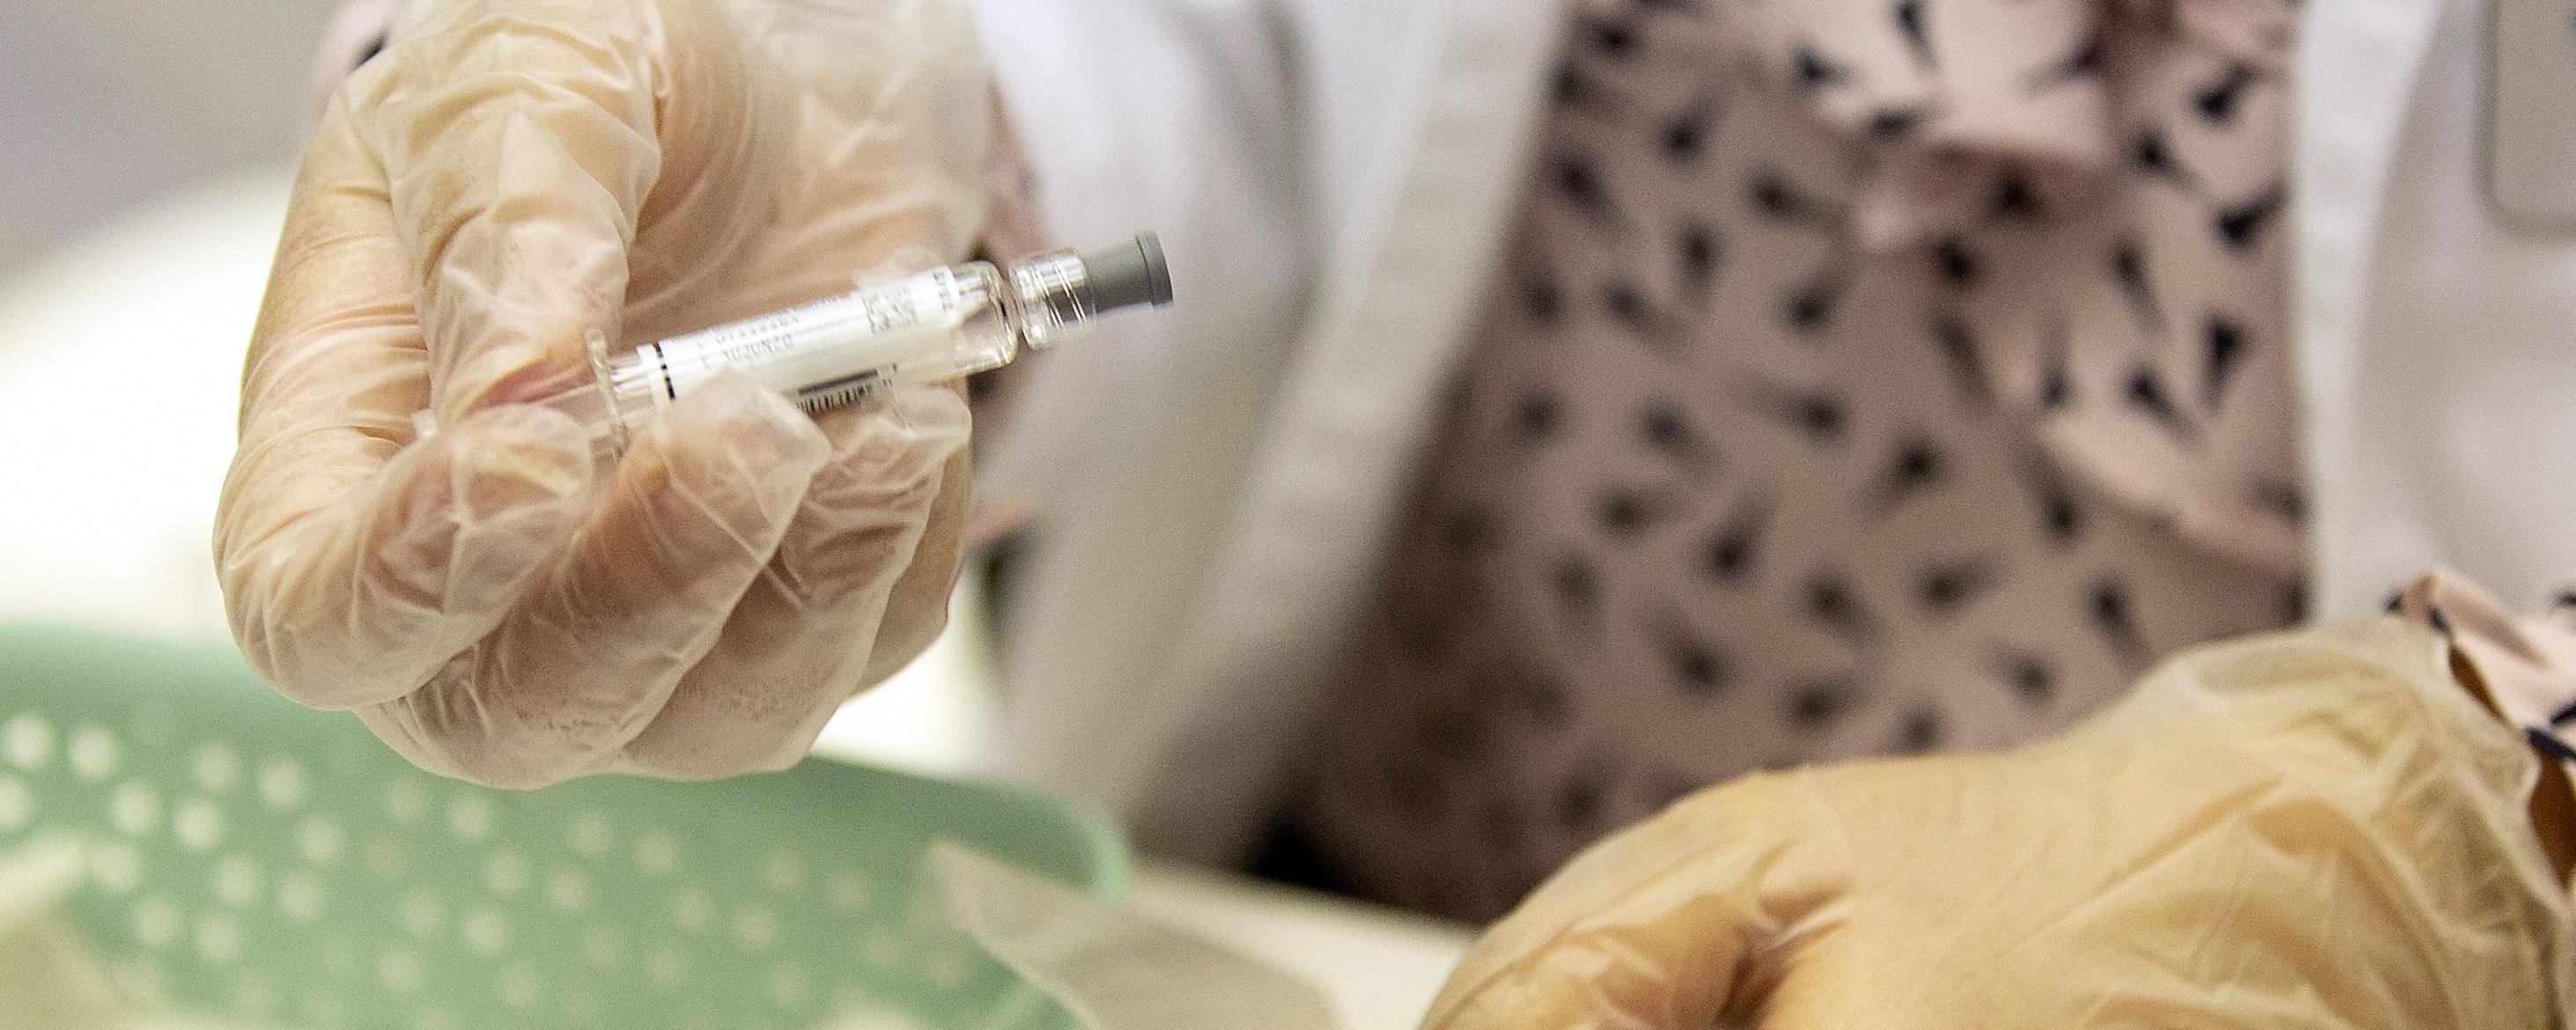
(2313, 830)
(509, 179)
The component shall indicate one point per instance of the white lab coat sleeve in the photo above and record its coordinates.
(1150, 114)
(1185, 117)
(1330, 177)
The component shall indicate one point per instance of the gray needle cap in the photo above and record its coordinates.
(1129, 274)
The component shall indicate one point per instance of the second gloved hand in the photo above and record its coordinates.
(507, 183)
(2319, 830)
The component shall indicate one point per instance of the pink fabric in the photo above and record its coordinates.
(1979, 120)
(1862, 376)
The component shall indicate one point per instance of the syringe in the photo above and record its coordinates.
(924, 328)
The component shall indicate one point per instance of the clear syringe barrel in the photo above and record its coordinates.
(929, 327)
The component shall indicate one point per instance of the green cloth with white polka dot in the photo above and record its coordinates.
(246, 859)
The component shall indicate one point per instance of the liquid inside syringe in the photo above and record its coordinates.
(929, 327)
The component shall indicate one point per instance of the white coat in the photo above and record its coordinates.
(1331, 178)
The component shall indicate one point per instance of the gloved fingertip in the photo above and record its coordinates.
(904, 434)
(733, 421)
(931, 412)
(517, 458)
(506, 374)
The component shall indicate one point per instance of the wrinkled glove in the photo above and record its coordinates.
(2319, 829)
(508, 182)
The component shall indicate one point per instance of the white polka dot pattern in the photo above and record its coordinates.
(315, 880)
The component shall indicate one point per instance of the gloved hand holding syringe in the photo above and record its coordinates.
(933, 326)
(611, 557)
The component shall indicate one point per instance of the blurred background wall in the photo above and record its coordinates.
(105, 104)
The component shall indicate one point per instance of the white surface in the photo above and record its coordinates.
(120, 358)
(1379, 967)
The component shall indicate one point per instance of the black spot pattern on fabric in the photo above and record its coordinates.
(2395, 603)
(2108, 606)
(1698, 669)
(1815, 705)
(1810, 308)
(374, 46)
(1577, 586)
(1732, 552)
(2030, 677)
(2242, 225)
(1541, 300)
(1820, 415)
(2084, 62)
(2063, 519)
(1921, 731)
(2565, 599)
(1627, 307)
(2282, 500)
(1897, 122)
(2145, 391)
(2014, 200)
(1686, 135)
(1916, 464)
(1751, 454)
(2217, 101)
(1832, 603)
(1579, 182)
(2225, 344)
(1468, 531)
(1909, 20)
(1579, 801)
(1625, 513)
(1948, 586)
(1697, 247)
(2059, 515)
(1814, 414)
(1773, 197)
(1613, 38)
(1683, 140)
(2056, 376)
(1957, 265)
(2441, 623)
(1958, 346)
(1664, 429)
(1537, 417)
(2129, 267)
(1580, 92)
(2154, 157)
(1814, 72)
